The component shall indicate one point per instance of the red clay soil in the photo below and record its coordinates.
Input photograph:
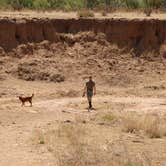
(117, 51)
(136, 33)
(77, 56)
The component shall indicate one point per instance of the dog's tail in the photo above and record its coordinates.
(32, 95)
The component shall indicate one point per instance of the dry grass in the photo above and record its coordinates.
(68, 93)
(104, 13)
(108, 117)
(85, 14)
(131, 123)
(150, 124)
(148, 12)
(72, 144)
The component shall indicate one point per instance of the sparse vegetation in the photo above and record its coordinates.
(109, 118)
(30, 72)
(72, 144)
(41, 142)
(82, 4)
(148, 12)
(85, 14)
(151, 125)
(68, 93)
(104, 13)
(131, 123)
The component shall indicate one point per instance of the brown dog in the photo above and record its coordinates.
(26, 99)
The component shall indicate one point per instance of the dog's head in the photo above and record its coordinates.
(20, 98)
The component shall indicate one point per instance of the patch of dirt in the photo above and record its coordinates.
(39, 70)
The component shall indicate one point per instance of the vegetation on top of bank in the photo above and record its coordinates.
(68, 5)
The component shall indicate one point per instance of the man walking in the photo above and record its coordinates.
(90, 90)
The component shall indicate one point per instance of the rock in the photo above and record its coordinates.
(67, 121)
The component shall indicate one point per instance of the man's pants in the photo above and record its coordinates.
(89, 97)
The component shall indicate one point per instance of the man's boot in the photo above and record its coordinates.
(90, 104)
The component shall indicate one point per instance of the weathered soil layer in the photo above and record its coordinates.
(140, 34)
(77, 56)
(119, 52)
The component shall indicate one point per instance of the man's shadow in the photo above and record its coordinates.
(162, 104)
(91, 109)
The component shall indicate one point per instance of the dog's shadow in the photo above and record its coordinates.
(27, 106)
(162, 104)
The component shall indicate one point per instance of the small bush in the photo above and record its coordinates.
(132, 4)
(131, 123)
(40, 4)
(16, 4)
(90, 4)
(148, 12)
(108, 118)
(85, 14)
(74, 4)
(3, 4)
(104, 13)
(151, 125)
(163, 3)
(26, 3)
(81, 4)
(31, 71)
(41, 142)
(58, 4)
(152, 3)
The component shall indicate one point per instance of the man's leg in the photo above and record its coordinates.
(90, 102)
(89, 96)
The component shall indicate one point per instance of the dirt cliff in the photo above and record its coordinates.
(58, 50)
(136, 33)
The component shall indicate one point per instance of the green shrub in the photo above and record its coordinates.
(66, 4)
(148, 11)
(26, 3)
(58, 4)
(153, 3)
(3, 2)
(108, 2)
(133, 4)
(81, 4)
(104, 13)
(40, 4)
(90, 4)
(16, 4)
(163, 3)
(75, 4)
(108, 118)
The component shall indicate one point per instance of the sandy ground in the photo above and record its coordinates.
(68, 15)
(18, 124)
(25, 138)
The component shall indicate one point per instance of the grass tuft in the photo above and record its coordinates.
(148, 12)
(104, 13)
(108, 118)
(151, 125)
(85, 14)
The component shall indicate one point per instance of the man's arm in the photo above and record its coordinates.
(94, 88)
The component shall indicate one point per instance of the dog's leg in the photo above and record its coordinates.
(22, 104)
(30, 101)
